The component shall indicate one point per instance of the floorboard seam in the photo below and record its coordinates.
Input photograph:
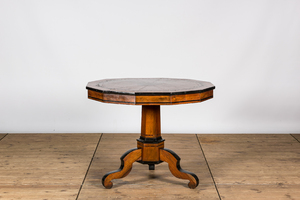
(87, 171)
(4, 136)
(208, 168)
(295, 138)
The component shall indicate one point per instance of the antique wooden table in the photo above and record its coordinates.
(150, 93)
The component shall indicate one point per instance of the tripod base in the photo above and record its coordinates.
(135, 154)
(150, 150)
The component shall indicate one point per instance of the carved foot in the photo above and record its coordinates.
(174, 165)
(126, 165)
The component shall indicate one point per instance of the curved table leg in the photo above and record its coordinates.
(174, 165)
(127, 160)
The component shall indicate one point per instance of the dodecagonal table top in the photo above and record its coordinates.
(150, 91)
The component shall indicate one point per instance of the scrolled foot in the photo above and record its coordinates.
(108, 185)
(126, 165)
(173, 160)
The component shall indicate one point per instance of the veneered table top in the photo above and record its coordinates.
(150, 91)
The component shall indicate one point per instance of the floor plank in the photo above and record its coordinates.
(244, 166)
(142, 183)
(297, 136)
(2, 135)
(259, 192)
(44, 166)
(258, 166)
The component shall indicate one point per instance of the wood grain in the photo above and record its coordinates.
(150, 125)
(173, 161)
(126, 165)
(259, 192)
(144, 184)
(244, 166)
(44, 166)
(2, 135)
(254, 166)
(297, 136)
(150, 152)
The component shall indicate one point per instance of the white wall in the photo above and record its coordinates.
(250, 50)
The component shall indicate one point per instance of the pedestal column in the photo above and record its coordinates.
(150, 140)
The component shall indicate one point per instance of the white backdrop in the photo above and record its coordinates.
(250, 50)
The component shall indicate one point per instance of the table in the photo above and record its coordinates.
(150, 93)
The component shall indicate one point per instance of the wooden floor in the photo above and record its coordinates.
(71, 166)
